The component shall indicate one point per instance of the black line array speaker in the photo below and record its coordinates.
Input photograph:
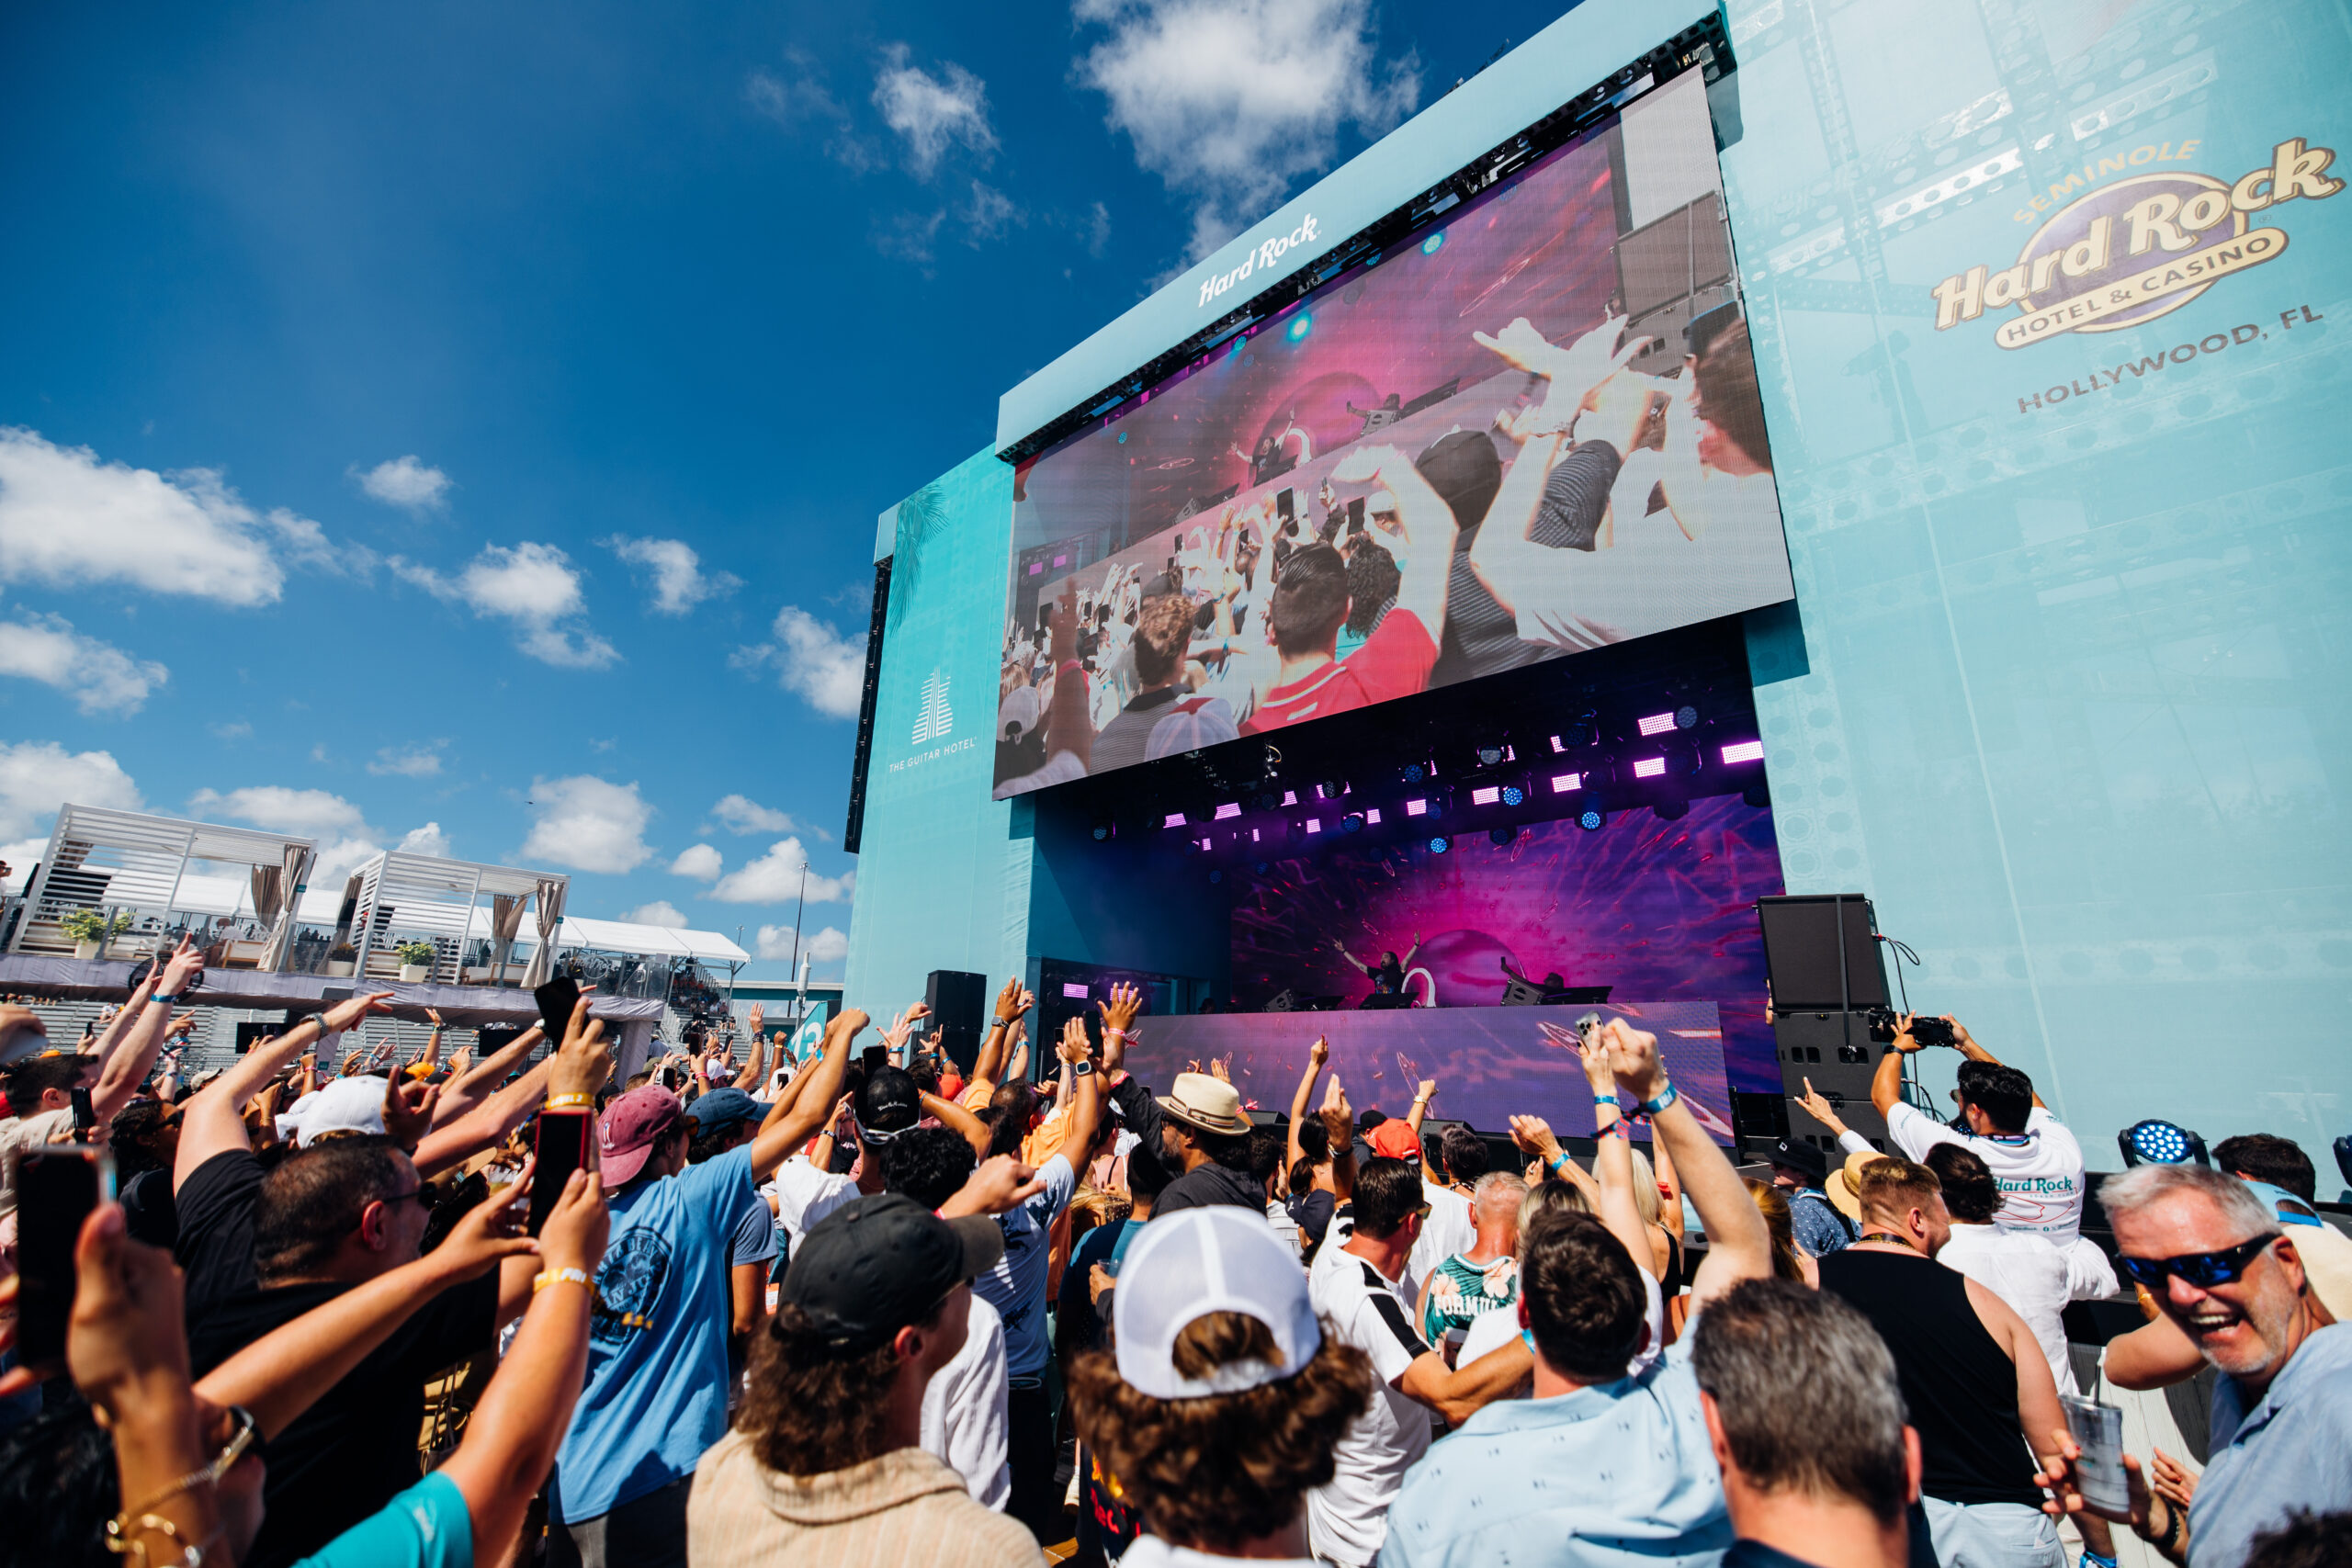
(957, 1000)
(1835, 1052)
(1821, 952)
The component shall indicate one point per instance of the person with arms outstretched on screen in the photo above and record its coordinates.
(1387, 976)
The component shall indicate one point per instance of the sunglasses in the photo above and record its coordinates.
(2203, 1269)
(425, 1196)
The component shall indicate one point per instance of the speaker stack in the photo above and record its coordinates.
(957, 998)
(1821, 952)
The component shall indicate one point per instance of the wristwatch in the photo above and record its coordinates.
(1083, 1068)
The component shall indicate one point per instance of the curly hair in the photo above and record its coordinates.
(810, 1407)
(1212, 1473)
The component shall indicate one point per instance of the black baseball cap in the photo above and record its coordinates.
(878, 1264)
(889, 1104)
(1797, 1154)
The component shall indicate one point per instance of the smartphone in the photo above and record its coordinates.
(561, 1148)
(2097, 1431)
(85, 1116)
(556, 999)
(57, 1186)
(1285, 505)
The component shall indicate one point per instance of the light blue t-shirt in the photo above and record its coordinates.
(2292, 1451)
(426, 1527)
(1611, 1476)
(656, 1396)
(1016, 1286)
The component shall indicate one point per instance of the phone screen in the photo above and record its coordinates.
(2098, 1430)
(85, 1116)
(57, 1186)
(556, 999)
(562, 1148)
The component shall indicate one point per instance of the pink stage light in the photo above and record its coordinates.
(1372, 816)
(1416, 808)
(1074, 988)
(1486, 795)
(1313, 826)
(1745, 751)
(1230, 809)
(1290, 797)
(1175, 819)
(1562, 783)
(1253, 835)
(1651, 767)
(1657, 723)
(1555, 744)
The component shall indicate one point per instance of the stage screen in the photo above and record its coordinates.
(1657, 911)
(1529, 429)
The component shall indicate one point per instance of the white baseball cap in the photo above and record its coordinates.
(347, 1105)
(1197, 1261)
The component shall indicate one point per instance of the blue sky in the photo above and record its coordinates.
(463, 426)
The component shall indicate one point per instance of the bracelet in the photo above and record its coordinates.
(2173, 1521)
(200, 1476)
(1111, 1033)
(1621, 1128)
(1604, 1100)
(122, 1527)
(1553, 1165)
(1652, 1107)
(569, 1101)
(169, 998)
(2095, 1561)
(1068, 664)
(561, 1276)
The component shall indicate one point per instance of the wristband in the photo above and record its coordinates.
(561, 1276)
(1604, 1100)
(167, 999)
(2095, 1561)
(569, 1101)
(1067, 665)
(1553, 1165)
(1110, 1033)
(1652, 1107)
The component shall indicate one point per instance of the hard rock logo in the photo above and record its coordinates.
(2138, 249)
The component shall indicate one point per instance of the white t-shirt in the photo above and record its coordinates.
(2027, 1271)
(1150, 1552)
(19, 1133)
(1448, 1230)
(805, 1195)
(2039, 1171)
(1492, 1330)
(964, 1422)
(1348, 1518)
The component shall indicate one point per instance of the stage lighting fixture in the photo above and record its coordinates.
(1074, 989)
(1434, 244)
(1686, 717)
(1440, 844)
(1217, 874)
(1371, 818)
(1102, 832)
(1230, 809)
(1314, 825)
(1744, 751)
(1502, 835)
(1493, 755)
(1416, 808)
(1591, 820)
(1411, 773)
(1562, 783)
(1300, 325)
(1290, 797)
(1650, 767)
(1351, 823)
(1331, 789)
(1258, 866)
(1671, 810)
(1656, 724)
(1269, 801)
(2154, 1141)
(1758, 794)
(1486, 795)
(1175, 819)
(1514, 796)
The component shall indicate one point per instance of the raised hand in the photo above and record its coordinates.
(125, 1341)
(1319, 1053)
(1632, 1056)
(1427, 1091)
(489, 1233)
(185, 965)
(757, 1019)
(1001, 1183)
(577, 1227)
(346, 1015)
(1533, 1134)
(408, 1110)
(583, 1061)
(1593, 1050)
(1075, 1047)
(1125, 1002)
(1221, 1068)
(1819, 1109)
(1018, 1068)
(1008, 1004)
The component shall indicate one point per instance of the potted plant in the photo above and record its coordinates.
(416, 961)
(342, 958)
(90, 930)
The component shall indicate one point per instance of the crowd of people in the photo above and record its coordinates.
(867, 1308)
(1603, 504)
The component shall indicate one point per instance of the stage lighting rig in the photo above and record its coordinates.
(1503, 838)
(1686, 717)
(2154, 1141)
(1591, 819)
(1744, 751)
(1351, 823)
(1412, 772)
(1440, 844)
(1331, 789)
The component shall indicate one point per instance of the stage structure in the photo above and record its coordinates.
(1711, 455)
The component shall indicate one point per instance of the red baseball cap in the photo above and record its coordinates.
(1395, 1139)
(629, 1128)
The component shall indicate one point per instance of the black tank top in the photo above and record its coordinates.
(1958, 1385)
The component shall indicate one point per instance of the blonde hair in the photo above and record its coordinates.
(1774, 1204)
(1646, 1196)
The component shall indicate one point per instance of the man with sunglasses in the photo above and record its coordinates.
(2224, 1273)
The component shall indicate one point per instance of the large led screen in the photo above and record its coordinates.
(1527, 430)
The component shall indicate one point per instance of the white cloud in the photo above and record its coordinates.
(532, 585)
(20, 858)
(1228, 101)
(38, 776)
(239, 729)
(98, 676)
(989, 214)
(311, 813)
(661, 912)
(421, 762)
(810, 657)
(428, 840)
(800, 96)
(774, 878)
(679, 581)
(406, 482)
(741, 814)
(826, 946)
(584, 823)
(931, 113)
(68, 519)
(701, 862)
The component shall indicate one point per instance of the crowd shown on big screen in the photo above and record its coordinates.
(867, 1309)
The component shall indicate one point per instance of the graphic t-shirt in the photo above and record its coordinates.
(1347, 1518)
(656, 1395)
(1016, 1286)
(1458, 1291)
(1395, 661)
(2039, 1171)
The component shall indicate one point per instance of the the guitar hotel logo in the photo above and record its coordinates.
(2137, 249)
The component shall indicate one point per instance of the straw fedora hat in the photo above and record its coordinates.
(1208, 1103)
(1845, 1183)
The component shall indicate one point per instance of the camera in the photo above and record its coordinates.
(1885, 1024)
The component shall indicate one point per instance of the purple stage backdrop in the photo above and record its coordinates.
(1647, 906)
(1490, 1064)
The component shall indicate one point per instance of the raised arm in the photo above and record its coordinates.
(958, 1120)
(1739, 1246)
(567, 1080)
(1317, 1055)
(790, 1123)
(150, 1012)
(1085, 1112)
(1422, 1095)
(1338, 1125)
(1886, 1083)
(1975, 1053)
(755, 1071)
(462, 1094)
(1357, 964)
(213, 1120)
(1502, 553)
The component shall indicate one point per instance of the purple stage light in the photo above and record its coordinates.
(1290, 797)
(1486, 795)
(1230, 809)
(1562, 783)
(1657, 724)
(1650, 767)
(1314, 826)
(1371, 818)
(1416, 808)
(1744, 751)
(1074, 988)
(1175, 819)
